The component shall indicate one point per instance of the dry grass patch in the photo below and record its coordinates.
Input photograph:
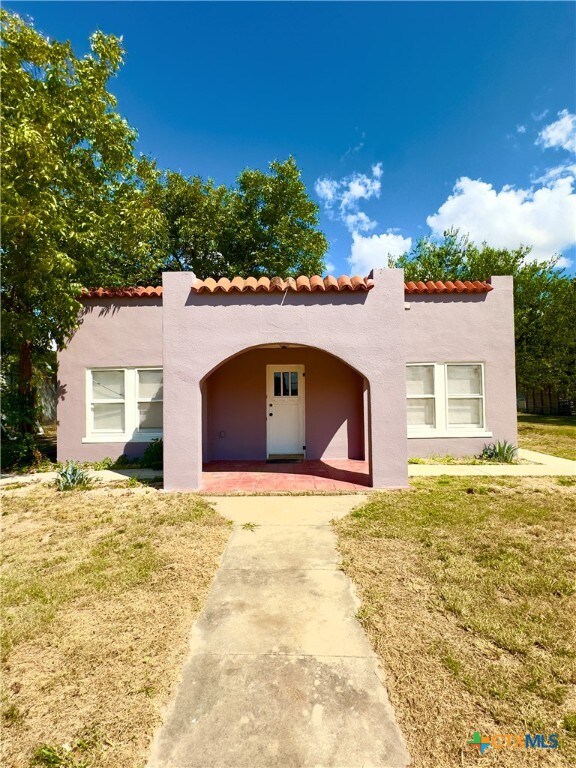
(549, 434)
(467, 589)
(100, 590)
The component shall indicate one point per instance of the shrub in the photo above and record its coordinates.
(503, 452)
(122, 461)
(104, 463)
(72, 476)
(153, 455)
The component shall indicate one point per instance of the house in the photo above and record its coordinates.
(320, 368)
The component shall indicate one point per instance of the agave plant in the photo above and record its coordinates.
(72, 476)
(503, 452)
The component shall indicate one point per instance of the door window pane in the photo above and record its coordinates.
(465, 411)
(420, 411)
(107, 385)
(150, 416)
(150, 385)
(286, 383)
(109, 417)
(420, 380)
(464, 380)
(277, 384)
(294, 383)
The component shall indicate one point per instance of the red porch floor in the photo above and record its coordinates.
(250, 476)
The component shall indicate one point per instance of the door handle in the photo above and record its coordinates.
(270, 414)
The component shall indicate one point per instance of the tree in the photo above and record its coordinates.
(78, 208)
(544, 301)
(265, 225)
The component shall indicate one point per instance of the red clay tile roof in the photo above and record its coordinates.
(122, 293)
(268, 285)
(302, 283)
(447, 286)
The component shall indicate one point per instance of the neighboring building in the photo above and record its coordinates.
(360, 368)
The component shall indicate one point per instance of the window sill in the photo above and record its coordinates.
(115, 437)
(452, 433)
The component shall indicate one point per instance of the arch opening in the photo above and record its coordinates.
(286, 403)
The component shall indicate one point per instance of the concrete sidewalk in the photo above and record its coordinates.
(280, 673)
(96, 475)
(543, 465)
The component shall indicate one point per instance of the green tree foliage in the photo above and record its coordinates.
(77, 208)
(544, 301)
(264, 225)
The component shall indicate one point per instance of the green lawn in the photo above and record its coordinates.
(550, 434)
(468, 595)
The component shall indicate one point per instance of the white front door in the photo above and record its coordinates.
(285, 410)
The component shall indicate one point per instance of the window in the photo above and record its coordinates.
(124, 404)
(150, 400)
(285, 383)
(445, 399)
(108, 403)
(420, 393)
(465, 397)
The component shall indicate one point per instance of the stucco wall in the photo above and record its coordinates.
(112, 332)
(363, 329)
(476, 328)
(202, 341)
(236, 406)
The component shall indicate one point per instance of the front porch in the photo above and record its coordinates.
(259, 476)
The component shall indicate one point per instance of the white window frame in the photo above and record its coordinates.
(441, 427)
(132, 432)
(426, 428)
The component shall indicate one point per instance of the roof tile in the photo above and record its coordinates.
(138, 292)
(447, 286)
(302, 283)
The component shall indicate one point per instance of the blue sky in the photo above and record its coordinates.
(405, 118)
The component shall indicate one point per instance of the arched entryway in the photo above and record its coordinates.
(279, 413)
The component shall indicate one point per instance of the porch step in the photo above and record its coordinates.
(282, 458)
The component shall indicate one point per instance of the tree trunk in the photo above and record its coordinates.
(26, 390)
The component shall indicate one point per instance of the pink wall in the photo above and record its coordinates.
(202, 331)
(475, 328)
(236, 406)
(355, 349)
(113, 332)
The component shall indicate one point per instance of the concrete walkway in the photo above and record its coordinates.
(542, 465)
(280, 673)
(98, 476)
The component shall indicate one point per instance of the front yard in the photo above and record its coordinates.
(100, 590)
(548, 434)
(467, 589)
(468, 596)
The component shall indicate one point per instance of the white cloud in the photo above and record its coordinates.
(375, 251)
(326, 190)
(330, 267)
(358, 222)
(560, 134)
(557, 172)
(341, 197)
(521, 129)
(537, 116)
(542, 217)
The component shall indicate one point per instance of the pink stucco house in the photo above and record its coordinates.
(373, 369)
